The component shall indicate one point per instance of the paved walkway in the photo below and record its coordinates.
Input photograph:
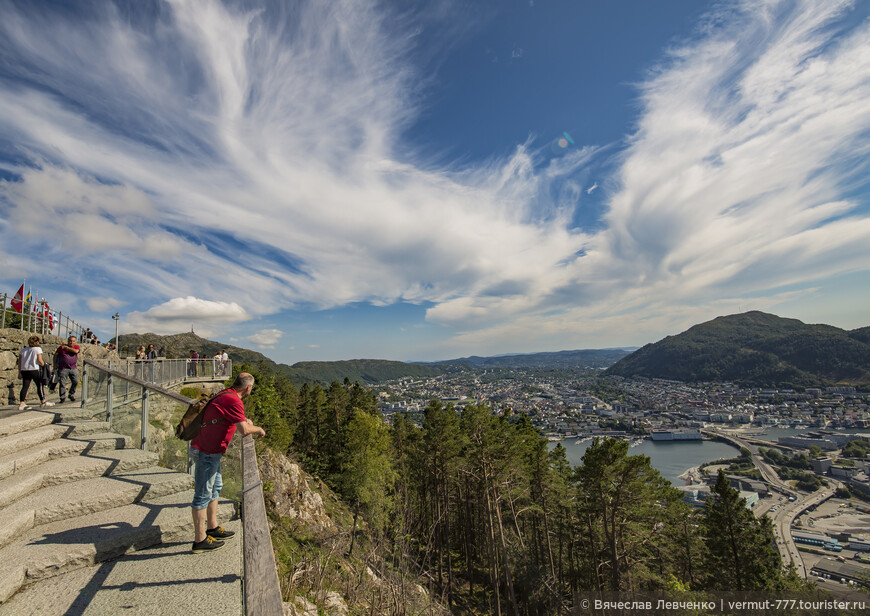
(159, 581)
(90, 526)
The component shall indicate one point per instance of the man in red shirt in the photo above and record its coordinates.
(66, 357)
(222, 416)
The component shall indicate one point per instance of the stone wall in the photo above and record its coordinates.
(13, 340)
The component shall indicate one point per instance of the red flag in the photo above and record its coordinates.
(18, 300)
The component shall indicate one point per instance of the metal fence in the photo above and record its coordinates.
(168, 372)
(37, 321)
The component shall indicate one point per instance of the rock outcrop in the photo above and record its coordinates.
(288, 492)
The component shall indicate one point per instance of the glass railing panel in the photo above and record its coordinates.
(127, 411)
(93, 390)
(231, 470)
(124, 390)
(164, 413)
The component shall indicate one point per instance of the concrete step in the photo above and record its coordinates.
(59, 448)
(79, 428)
(72, 411)
(165, 579)
(16, 442)
(15, 422)
(65, 545)
(72, 500)
(63, 470)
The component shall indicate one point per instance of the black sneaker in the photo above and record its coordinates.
(72, 398)
(207, 545)
(219, 533)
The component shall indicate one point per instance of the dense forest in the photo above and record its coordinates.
(477, 505)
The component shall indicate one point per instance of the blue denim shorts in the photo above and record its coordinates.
(207, 481)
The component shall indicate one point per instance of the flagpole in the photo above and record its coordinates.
(23, 284)
(29, 308)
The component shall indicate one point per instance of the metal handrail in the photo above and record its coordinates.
(262, 590)
(172, 371)
(34, 322)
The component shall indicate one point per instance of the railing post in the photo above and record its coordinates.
(84, 384)
(144, 444)
(110, 393)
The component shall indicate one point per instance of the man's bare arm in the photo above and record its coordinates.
(247, 427)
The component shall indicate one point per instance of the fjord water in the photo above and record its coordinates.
(671, 459)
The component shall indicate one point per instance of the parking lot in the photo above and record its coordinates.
(831, 518)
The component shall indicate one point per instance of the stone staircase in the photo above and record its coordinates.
(89, 526)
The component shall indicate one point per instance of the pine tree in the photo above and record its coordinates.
(624, 503)
(367, 475)
(741, 553)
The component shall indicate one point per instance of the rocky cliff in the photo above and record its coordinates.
(311, 536)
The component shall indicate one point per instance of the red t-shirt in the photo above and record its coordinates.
(216, 437)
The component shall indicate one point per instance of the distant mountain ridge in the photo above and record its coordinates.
(756, 348)
(178, 346)
(584, 358)
(367, 371)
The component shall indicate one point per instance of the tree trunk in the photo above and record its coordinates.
(493, 574)
(353, 530)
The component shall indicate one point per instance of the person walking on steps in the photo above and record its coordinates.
(29, 362)
(67, 356)
(222, 417)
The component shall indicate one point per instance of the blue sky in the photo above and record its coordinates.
(422, 181)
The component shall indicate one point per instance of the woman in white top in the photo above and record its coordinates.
(29, 362)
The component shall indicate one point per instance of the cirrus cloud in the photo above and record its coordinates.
(207, 151)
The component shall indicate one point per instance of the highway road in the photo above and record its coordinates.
(785, 516)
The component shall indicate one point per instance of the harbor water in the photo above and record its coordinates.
(670, 458)
(673, 458)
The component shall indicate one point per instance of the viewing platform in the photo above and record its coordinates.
(95, 505)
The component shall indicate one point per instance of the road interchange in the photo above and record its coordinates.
(784, 517)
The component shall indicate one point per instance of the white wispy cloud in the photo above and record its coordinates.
(279, 133)
(234, 162)
(733, 186)
(266, 338)
(102, 304)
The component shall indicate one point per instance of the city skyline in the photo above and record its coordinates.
(326, 182)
